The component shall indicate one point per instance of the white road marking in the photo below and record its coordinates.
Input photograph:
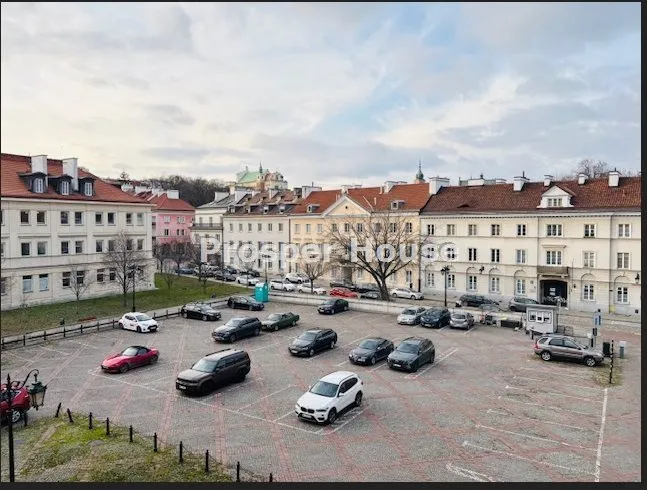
(378, 367)
(283, 416)
(528, 436)
(561, 384)
(472, 475)
(154, 380)
(436, 362)
(341, 363)
(470, 329)
(345, 422)
(264, 397)
(598, 458)
(547, 407)
(512, 455)
(507, 387)
(515, 415)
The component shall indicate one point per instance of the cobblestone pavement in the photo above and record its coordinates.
(488, 409)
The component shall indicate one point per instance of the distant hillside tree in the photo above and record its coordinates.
(194, 190)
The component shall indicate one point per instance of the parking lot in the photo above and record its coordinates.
(487, 410)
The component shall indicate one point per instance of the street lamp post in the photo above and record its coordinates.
(132, 272)
(444, 272)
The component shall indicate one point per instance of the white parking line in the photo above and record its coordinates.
(353, 341)
(263, 397)
(84, 344)
(470, 329)
(599, 451)
(548, 407)
(561, 384)
(342, 363)
(440, 359)
(528, 436)
(345, 422)
(508, 387)
(283, 416)
(542, 421)
(546, 463)
(472, 475)
(378, 367)
(154, 380)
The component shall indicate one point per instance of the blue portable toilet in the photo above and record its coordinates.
(261, 292)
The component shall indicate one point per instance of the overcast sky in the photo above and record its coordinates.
(330, 93)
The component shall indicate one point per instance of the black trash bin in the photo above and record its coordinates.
(606, 349)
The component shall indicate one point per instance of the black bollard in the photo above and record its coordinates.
(181, 452)
(69, 416)
(130, 433)
(237, 470)
(107, 426)
(206, 461)
(155, 442)
(90, 421)
(271, 479)
(58, 410)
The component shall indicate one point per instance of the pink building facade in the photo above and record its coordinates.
(172, 217)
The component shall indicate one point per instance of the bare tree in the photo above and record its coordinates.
(382, 244)
(168, 274)
(592, 168)
(79, 282)
(180, 251)
(161, 252)
(123, 259)
(314, 267)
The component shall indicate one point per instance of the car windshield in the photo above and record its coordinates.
(458, 316)
(324, 389)
(432, 313)
(329, 302)
(234, 322)
(129, 352)
(370, 344)
(274, 316)
(409, 311)
(407, 348)
(204, 366)
(405, 290)
(307, 336)
(142, 318)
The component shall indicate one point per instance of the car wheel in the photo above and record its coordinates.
(257, 331)
(546, 355)
(232, 338)
(208, 387)
(311, 352)
(204, 318)
(139, 330)
(299, 281)
(373, 360)
(394, 295)
(229, 303)
(412, 297)
(433, 358)
(153, 360)
(124, 368)
(16, 415)
(332, 344)
(358, 399)
(121, 325)
(294, 323)
(512, 308)
(276, 327)
(334, 311)
(332, 416)
(414, 367)
(183, 313)
(589, 361)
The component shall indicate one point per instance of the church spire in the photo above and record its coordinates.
(260, 167)
(420, 178)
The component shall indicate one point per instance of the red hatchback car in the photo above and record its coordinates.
(20, 402)
(343, 293)
(131, 357)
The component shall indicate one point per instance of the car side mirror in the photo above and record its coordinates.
(309, 387)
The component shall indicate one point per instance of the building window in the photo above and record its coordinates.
(554, 202)
(99, 246)
(111, 218)
(471, 254)
(65, 188)
(140, 219)
(167, 219)
(260, 227)
(495, 283)
(553, 230)
(65, 217)
(495, 255)
(520, 256)
(78, 247)
(43, 282)
(471, 230)
(622, 294)
(111, 245)
(521, 230)
(553, 257)
(589, 231)
(100, 275)
(360, 227)
(624, 231)
(129, 244)
(25, 249)
(167, 232)
(451, 281)
(393, 227)
(431, 229)
(231, 226)
(2, 249)
(182, 219)
(408, 227)
(429, 279)
(87, 188)
(98, 219)
(249, 227)
(140, 244)
(280, 226)
(240, 227)
(589, 259)
(346, 227)
(588, 292)
(129, 219)
(24, 217)
(27, 286)
(297, 228)
(39, 186)
(308, 227)
(623, 260)
(80, 277)
(520, 287)
(471, 283)
(450, 253)
(495, 230)
(319, 228)
(78, 217)
(2, 217)
(41, 248)
(65, 247)
(451, 230)
(3, 286)
(66, 279)
(408, 277)
(112, 274)
(40, 217)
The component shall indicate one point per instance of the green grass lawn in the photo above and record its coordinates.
(51, 449)
(184, 289)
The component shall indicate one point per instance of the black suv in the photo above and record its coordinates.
(201, 311)
(474, 300)
(237, 328)
(312, 341)
(214, 369)
(245, 303)
(412, 353)
(344, 283)
(332, 306)
(435, 317)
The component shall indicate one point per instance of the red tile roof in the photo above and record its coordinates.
(594, 194)
(414, 197)
(164, 203)
(257, 202)
(11, 185)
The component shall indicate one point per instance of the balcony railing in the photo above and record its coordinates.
(552, 270)
(206, 226)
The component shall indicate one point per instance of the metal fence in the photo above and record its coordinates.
(82, 329)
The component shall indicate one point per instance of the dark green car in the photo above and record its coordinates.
(280, 320)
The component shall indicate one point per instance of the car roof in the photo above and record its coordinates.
(414, 339)
(138, 347)
(338, 376)
(222, 353)
(374, 338)
(317, 330)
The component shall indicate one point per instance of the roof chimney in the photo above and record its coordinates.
(173, 194)
(547, 180)
(581, 178)
(614, 178)
(71, 168)
(239, 193)
(388, 185)
(435, 183)
(518, 182)
(219, 196)
(39, 164)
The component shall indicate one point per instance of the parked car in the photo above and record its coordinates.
(371, 350)
(237, 328)
(140, 322)
(282, 284)
(520, 304)
(461, 319)
(330, 396)
(245, 303)
(411, 315)
(412, 353)
(435, 317)
(474, 300)
(370, 295)
(306, 287)
(342, 283)
(20, 402)
(204, 272)
(296, 278)
(332, 306)
(277, 321)
(184, 270)
(342, 293)
(313, 341)
(563, 347)
(131, 357)
(231, 270)
(224, 276)
(406, 293)
(253, 273)
(214, 369)
(366, 288)
(201, 311)
(246, 280)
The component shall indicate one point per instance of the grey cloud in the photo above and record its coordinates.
(170, 113)
(176, 153)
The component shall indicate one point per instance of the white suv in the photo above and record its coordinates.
(330, 396)
(296, 277)
(282, 284)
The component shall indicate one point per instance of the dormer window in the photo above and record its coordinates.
(265, 209)
(39, 185)
(312, 208)
(556, 197)
(87, 188)
(554, 202)
(396, 204)
(64, 188)
(281, 208)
